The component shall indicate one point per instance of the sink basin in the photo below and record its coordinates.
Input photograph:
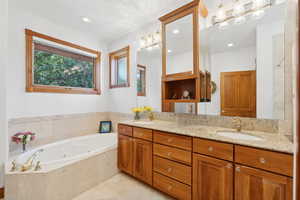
(143, 122)
(238, 135)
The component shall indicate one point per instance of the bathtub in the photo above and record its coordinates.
(69, 167)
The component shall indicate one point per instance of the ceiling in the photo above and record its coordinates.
(110, 19)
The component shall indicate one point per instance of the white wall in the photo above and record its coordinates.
(22, 104)
(182, 62)
(3, 65)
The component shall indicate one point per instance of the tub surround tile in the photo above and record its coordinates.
(122, 187)
(271, 141)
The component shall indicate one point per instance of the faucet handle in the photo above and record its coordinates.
(38, 166)
(14, 166)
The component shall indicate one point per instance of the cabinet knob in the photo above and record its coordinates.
(262, 160)
(210, 149)
(170, 170)
(170, 187)
(169, 153)
(238, 169)
(170, 140)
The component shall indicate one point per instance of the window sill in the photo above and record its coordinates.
(63, 90)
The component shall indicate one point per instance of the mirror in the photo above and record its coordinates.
(247, 66)
(242, 59)
(179, 45)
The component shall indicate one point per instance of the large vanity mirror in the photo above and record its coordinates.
(247, 66)
(248, 63)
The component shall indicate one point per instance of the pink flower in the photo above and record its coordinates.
(23, 137)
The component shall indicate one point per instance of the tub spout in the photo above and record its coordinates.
(14, 166)
(29, 163)
(38, 166)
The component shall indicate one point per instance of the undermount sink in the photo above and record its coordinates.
(238, 135)
(143, 122)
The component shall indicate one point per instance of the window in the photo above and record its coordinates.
(57, 66)
(141, 80)
(119, 68)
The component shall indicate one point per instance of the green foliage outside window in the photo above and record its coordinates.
(56, 70)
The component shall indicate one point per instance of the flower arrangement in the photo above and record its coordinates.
(23, 138)
(139, 110)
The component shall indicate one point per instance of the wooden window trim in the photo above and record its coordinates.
(143, 94)
(31, 87)
(124, 52)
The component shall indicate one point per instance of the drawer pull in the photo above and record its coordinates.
(210, 149)
(170, 187)
(229, 166)
(169, 154)
(238, 169)
(262, 160)
(170, 170)
(170, 140)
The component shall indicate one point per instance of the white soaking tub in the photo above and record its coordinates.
(69, 167)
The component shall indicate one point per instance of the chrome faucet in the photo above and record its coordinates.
(237, 123)
(29, 163)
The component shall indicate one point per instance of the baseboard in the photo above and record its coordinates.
(1, 193)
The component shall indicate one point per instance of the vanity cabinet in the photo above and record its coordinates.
(212, 178)
(142, 160)
(189, 168)
(257, 184)
(125, 154)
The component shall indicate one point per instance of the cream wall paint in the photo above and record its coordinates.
(22, 104)
(3, 65)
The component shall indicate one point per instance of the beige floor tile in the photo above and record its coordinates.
(122, 187)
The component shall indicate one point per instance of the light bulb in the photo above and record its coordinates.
(157, 37)
(223, 25)
(220, 15)
(238, 9)
(258, 4)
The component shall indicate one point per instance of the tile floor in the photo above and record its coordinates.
(122, 187)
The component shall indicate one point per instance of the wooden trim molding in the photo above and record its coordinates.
(31, 87)
(298, 119)
(143, 94)
(1, 193)
(113, 56)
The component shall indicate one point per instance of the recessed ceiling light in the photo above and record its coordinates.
(230, 45)
(169, 51)
(176, 31)
(86, 19)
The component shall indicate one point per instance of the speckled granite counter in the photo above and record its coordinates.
(270, 141)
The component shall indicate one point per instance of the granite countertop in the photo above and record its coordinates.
(270, 141)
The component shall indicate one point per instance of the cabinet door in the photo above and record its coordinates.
(253, 184)
(212, 178)
(142, 160)
(125, 154)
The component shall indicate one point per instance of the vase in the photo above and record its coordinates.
(137, 116)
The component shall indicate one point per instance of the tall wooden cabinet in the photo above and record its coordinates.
(212, 178)
(125, 154)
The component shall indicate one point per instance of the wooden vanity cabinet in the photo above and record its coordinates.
(257, 184)
(142, 160)
(125, 154)
(212, 178)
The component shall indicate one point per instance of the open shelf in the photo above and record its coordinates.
(174, 90)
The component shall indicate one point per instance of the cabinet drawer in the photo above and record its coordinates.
(142, 133)
(267, 160)
(173, 170)
(124, 130)
(182, 142)
(172, 187)
(172, 153)
(215, 149)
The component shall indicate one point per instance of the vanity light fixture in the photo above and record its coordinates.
(86, 19)
(176, 31)
(150, 41)
(220, 13)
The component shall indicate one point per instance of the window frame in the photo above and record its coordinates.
(31, 87)
(143, 93)
(121, 53)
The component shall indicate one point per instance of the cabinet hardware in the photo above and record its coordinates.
(170, 140)
(169, 153)
(229, 166)
(210, 149)
(170, 187)
(262, 160)
(238, 169)
(170, 170)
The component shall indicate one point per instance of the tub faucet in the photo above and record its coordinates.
(29, 163)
